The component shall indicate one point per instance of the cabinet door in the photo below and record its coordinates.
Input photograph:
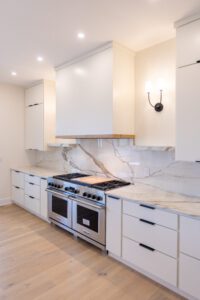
(189, 275)
(32, 204)
(188, 43)
(44, 199)
(188, 113)
(34, 128)
(34, 95)
(18, 195)
(113, 225)
(84, 93)
(17, 178)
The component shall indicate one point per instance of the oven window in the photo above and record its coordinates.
(59, 206)
(87, 217)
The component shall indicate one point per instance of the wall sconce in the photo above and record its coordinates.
(148, 87)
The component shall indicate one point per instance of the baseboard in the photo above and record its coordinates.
(5, 201)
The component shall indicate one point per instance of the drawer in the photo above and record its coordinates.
(189, 275)
(32, 178)
(190, 236)
(32, 204)
(150, 213)
(18, 195)
(32, 189)
(153, 262)
(17, 178)
(155, 236)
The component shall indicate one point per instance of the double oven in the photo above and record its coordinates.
(84, 218)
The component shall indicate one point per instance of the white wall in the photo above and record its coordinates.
(11, 135)
(156, 128)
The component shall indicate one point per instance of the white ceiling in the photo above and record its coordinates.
(29, 28)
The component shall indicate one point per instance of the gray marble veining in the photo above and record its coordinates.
(122, 159)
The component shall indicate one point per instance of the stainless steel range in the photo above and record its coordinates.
(77, 203)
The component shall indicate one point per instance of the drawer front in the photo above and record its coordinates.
(153, 262)
(32, 190)
(32, 179)
(189, 275)
(17, 178)
(189, 236)
(18, 195)
(155, 236)
(150, 213)
(32, 204)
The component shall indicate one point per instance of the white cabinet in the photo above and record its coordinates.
(29, 191)
(34, 95)
(17, 178)
(113, 225)
(188, 43)
(188, 113)
(44, 199)
(18, 195)
(40, 116)
(95, 95)
(150, 260)
(189, 275)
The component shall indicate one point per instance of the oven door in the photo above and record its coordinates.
(89, 220)
(60, 208)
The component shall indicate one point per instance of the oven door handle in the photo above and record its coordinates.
(56, 193)
(86, 203)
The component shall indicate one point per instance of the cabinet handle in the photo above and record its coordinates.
(17, 187)
(146, 247)
(31, 197)
(30, 105)
(17, 171)
(198, 61)
(31, 175)
(43, 178)
(148, 222)
(147, 206)
(31, 183)
(35, 104)
(112, 197)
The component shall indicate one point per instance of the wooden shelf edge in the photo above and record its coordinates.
(103, 136)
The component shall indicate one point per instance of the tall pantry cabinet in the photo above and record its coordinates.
(188, 90)
(40, 106)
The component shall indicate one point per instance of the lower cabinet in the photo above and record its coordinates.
(150, 260)
(113, 225)
(31, 193)
(189, 275)
(18, 195)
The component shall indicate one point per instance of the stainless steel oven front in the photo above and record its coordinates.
(60, 209)
(89, 220)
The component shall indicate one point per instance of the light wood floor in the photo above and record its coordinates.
(39, 261)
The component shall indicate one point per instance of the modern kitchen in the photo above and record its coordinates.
(100, 150)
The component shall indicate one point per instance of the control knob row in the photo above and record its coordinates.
(90, 196)
(58, 186)
(71, 189)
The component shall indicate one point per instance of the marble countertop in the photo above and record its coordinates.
(154, 196)
(37, 171)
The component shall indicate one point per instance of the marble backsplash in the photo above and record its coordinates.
(121, 159)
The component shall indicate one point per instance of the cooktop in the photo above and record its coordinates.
(70, 176)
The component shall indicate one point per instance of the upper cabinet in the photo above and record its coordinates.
(95, 95)
(40, 115)
(188, 91)
(188, 42)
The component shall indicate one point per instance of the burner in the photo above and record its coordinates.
(70, 176)
(109, 185)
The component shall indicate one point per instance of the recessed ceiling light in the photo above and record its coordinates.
(40, 58)
(13, 73)
(81, 35)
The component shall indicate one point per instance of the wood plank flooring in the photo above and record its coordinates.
(40, 261)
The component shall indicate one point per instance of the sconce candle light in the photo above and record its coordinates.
(158, 106)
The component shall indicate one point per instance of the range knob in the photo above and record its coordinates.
(66, 188)
(94, 197)
(50, 183)
(59, 186)
(84, 194)
(99, 198)
(76, 191)
(89, 195)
